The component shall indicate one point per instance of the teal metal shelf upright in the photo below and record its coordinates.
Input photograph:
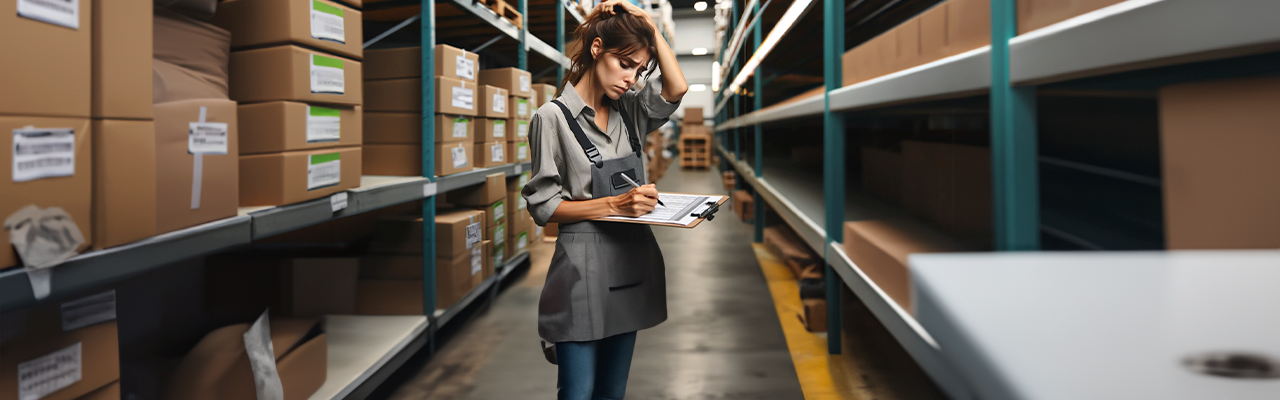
(428, 33)
(833, 159)
(1015, 165)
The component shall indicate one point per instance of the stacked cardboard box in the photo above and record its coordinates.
(518, 86)
(950, 28)
(542, 94)
(881, 247)
(39, 341)
(45, 106)
(391, 276)
(695, 146)
(523, 231)
(393, 124)
(1036, 14)
(296, 72)
(743, 205)
(949, 186)
(654, 146)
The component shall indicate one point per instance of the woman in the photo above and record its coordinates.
(606, 279)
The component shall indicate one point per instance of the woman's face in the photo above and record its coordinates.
(616, 73)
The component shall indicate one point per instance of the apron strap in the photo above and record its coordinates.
(593, 153)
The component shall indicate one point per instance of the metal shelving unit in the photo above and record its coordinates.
(1122, 38)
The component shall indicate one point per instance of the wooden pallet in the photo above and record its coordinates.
(506, 10)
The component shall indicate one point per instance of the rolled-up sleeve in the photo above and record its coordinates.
(545, 190)
(657, 110)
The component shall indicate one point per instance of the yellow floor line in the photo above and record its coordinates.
(820, 375)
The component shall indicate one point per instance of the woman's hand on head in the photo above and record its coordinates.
(636, 202)
(607, 6)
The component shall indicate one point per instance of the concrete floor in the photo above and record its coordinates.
(722, 339)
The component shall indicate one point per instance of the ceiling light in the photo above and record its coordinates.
(697, 87)
(699, 6)
(699, 51)
(715, 76)
(784, 24)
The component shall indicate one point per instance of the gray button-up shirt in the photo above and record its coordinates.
(560, 169)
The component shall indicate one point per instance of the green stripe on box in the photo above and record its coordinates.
(325, 8)
(499, 123)
(323, 111)
(324, 158)
(460, 120)
(322, 61)
(521, 101)
(523, 235)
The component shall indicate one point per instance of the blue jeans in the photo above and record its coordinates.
(595, 370)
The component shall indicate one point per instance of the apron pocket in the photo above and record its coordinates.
(623, 262)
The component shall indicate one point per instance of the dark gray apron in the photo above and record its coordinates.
(605, 278)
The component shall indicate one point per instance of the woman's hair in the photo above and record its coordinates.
(622, 34)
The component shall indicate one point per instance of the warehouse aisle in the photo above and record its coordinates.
(722, 339)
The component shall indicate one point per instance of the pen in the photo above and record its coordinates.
(637, 185)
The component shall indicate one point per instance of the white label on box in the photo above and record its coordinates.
(323, 170)
(465, 68)
(499, 129)
(207, 138)
(43, 153)
(497, 153)
(460, 127)
(88, 311)
(327, 75)
(474, 234)
(525, 84)
(338, 201)
(49, 373)
(58, 12)
(521, 203)
(522, 107)
(499, 211)
(464, 97)
(499, 235)
(477, 260)
(429, 189)
(327, 22)
(498, 257)
(323, 124)
(499, 103)
(522, 129)
(524, 179)
(522, 151)
(459, 156)
(522, 241)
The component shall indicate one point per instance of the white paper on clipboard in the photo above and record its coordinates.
(679, 209)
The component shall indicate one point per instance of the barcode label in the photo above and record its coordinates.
(522, 107)
(58, 12)
(477, 260)
(323, 170)
(474, 234)
(323, 124)
(499, 211)
(327, 75)
(50, 373)
(327, 22)
(460, 128)
(465, 68)
(207, 138)
(496, 151)
(499, 129)
(459, 157)
(464, 98)
(43, 153)
(499, 103)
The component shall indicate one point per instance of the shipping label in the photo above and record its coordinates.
(207, 138)
(499, 211)
(327, 75)
(496, 153)
(499, 129)
(49, 373)
(323, 124)
(43, 153)
(465, 68)
(499, 103)
(474, 234)
(499, 235)
(498, 257)
(477, 260)
(522, 241)
(58, 12)
(522, 107)
(522, 151)
(323, 170)
(460, 127)
(464, 97)
(521, 203)
(459, 156)
(88, 311)
(327, 22)
(525, 84)
(522, 129)
(338, 201)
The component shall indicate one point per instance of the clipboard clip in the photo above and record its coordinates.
(708, 213)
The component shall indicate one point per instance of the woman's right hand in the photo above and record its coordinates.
(636, 202)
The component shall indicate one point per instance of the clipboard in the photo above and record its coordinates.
(691, 214)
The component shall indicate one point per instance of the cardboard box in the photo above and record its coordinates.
(499, 254)
(494, 188)
(542, 94)
(217, 191)
(406, 128)
(517, 82)
(124, 181)
(518, 212)
(488, 261)
(517, 241)
(492, 102)
(693, 116)
(909, 54)
(495, 214)
(316, 287)
(290, 177)
(968, 24)
(743, 205)
(122, 59)
(285, 73)
(290, 126)
(406, 62)
(552, 229)
(171, 82)
(814, 315)
(480, 257)
(491, 154)
(498, 234)
(516, 184)
(520, 107)
(933, 34)
(880, 249)
(1218, 167)
(109, 392)
(517, 129)
(491, 130)
(68, 188)
(518, 151)
(1036, 14)
(406, 159)
(455, 97)
(59, 83)
(197, 48)
(403, 235)
(949, 186)
(31, 334)
(258, 23)
(404, 296)
(218, 366)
